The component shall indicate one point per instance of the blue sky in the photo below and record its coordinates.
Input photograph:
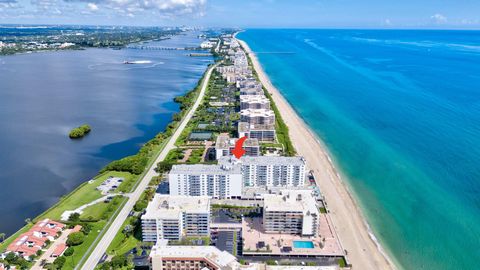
(459, 14)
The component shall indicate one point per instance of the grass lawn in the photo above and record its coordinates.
(271, 145)
(121, 244)
(101, 210)
(84, 194)
(73, 260)
(128, 182)
(196, 155)
(174, 155)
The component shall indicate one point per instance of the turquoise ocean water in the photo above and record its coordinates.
(400, 113)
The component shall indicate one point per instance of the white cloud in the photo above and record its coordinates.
(438, 18)
(470, 21)
(92, 6)
(158, 7)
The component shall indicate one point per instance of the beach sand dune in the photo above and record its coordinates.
(364, 252)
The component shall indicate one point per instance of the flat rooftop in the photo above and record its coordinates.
(171, 206)
(325, 244)
(225, 142)
(223, 259)
(292, 201)
(257, 112)
(258, 192)
(264, 160)
(221, 169)
(245, 127)
(254, 99)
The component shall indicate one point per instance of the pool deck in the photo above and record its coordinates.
(325, 245)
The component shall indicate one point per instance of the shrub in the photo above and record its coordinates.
(74, 217)
(140, 206)
(69, 251)
(163, 166)
(134, 164)
(75, 239)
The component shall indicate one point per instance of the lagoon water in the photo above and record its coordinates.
(400, 113)
(44, 95)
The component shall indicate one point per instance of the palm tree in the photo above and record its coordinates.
(2, 236)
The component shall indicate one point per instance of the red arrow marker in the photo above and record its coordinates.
(238, 151)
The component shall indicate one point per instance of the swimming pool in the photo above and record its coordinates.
(303, 244)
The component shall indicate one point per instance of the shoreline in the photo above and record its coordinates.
(364, 250)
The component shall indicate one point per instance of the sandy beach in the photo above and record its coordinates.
(364, 252)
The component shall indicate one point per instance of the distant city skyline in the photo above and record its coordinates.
(446, 14)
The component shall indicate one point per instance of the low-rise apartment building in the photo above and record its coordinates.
(291, 212)
(35, 239)
(165, 257)
(224, 146)
(173, 217)
(217, 181)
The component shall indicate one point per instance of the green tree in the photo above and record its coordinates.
(2, 237)
(119, 262)
(11, 258)
(59, 262)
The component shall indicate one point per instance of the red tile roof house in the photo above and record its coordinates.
(59, 250)
(35, 239)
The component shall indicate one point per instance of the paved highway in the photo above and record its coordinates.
(107, 238)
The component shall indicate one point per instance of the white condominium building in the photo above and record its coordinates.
(172, 217)
(254, 102)
(224, 146)
(270, 171)
(292, 212)
(260, 132)
(252, 91)
(217, 181)
(257, 116)
(248, 82)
